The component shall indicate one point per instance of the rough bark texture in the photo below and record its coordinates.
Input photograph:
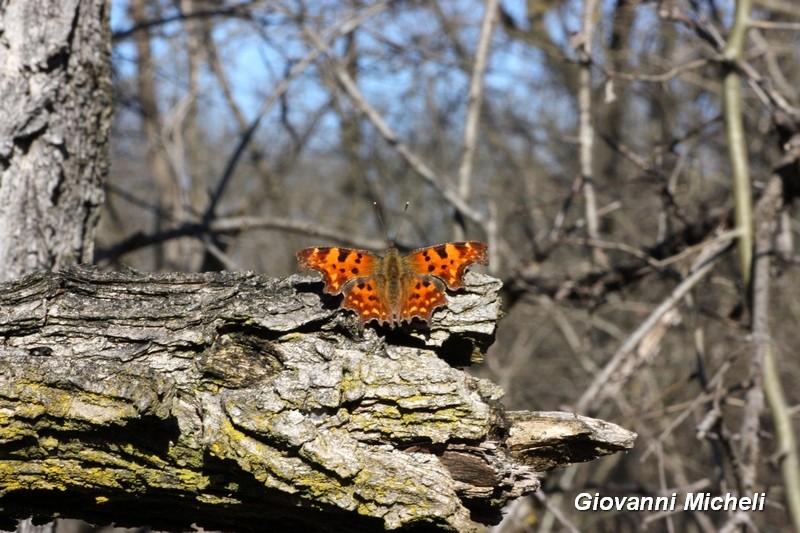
(244, 403)
(55, 106)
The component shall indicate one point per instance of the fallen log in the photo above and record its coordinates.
(238, 402)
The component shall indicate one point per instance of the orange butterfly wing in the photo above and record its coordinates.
(363, 297)
(428, 270)
(448, 262)
(338, 265)
(421, 296)
(341, 266)
(393, 289)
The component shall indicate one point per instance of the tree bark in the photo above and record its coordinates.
(244, 403)
(55, 107)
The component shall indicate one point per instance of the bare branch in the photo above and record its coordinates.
(234, 225)
(737, 144)
(441, 183)
(475, 102)
(765, 373)
(607, 381)
(586, 129)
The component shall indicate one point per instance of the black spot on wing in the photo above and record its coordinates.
(441, 251)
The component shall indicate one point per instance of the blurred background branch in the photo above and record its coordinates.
(601, 148)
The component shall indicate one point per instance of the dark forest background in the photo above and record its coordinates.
(618, 157)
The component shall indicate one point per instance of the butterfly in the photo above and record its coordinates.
(394, 288)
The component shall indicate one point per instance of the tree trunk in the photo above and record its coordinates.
(244, 403)
(55, 106)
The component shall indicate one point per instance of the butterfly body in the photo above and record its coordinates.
(393, 288)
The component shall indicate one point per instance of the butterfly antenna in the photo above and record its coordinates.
(400, 225)
(380, 219)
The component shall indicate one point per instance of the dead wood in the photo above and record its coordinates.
(243, 403)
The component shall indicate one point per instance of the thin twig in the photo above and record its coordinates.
(765, 362)
(234, 225)
(768, 25)
(686, 412)
(474, 103)
(662, 77)
(556, 511)
(735, 135)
